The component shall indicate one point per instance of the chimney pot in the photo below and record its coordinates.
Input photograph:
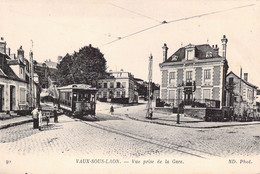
(246, 76)
(165, 50)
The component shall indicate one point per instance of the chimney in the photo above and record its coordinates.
(20, 54)
(165, 49)
(246, 76)
(215, 48)
(2, 45)
(224, 41)
(8, 51)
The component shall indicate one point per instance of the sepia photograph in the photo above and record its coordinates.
(120, 86)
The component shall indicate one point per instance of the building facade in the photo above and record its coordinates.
(16, 91)
(194, 73)
(117, 87)
(241, 95)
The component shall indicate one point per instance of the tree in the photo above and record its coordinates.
(85, 66)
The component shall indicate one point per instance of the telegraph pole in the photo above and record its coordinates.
(31, 79)
(149, 112)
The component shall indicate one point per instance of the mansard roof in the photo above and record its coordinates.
(200, 53)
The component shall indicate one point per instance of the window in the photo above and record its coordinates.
(123, 94)
(209, 54)
(171, 77)
(118, 94)
(105, 94)
(207, 74)
(105, 85)
(206, 94)
(188, 76)
(230, 80)
(22, 96)
(99, 85)
(171, 94)
(111, 84)
(118, 85)
(190, 54)
(123, 84)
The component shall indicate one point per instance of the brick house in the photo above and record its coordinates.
(118, 87)
(195, 73)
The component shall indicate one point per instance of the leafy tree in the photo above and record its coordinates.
(85, 66)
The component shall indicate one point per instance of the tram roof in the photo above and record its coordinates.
(78, 86)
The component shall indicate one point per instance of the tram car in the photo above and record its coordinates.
(77, 100)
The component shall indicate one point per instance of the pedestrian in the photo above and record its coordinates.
(55, 114)
(40, 118)
(111, 110)
(35, 118)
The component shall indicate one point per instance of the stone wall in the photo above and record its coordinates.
(207, 114)
(195, 113)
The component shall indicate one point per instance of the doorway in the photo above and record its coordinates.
(12, 97)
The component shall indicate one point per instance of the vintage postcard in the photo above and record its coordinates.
(109, 86)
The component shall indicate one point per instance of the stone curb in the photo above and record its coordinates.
(195, 127)
(15, 123)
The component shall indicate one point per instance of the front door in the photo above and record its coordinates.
(12, 97)
(188, 97)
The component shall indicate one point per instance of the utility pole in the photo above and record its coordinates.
(31, 79)
(149, 112)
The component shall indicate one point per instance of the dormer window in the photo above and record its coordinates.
(190, 52)
(174, 57)
(209, 54)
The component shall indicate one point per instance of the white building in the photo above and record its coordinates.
(118, 87)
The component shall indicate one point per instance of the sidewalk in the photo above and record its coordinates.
(139, 113)
(15, 121)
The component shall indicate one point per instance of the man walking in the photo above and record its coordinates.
(35, 118)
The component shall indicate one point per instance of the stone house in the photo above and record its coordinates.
(14, 81)
(242, 95)
(118, 87)
(195, 73)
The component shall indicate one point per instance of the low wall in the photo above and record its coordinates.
(195, 113)
(207, 114)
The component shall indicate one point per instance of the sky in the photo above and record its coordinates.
(60, 27)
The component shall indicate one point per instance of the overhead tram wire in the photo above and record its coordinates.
(176, 20)
(131, 11)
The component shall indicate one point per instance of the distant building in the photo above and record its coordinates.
(46, 74)
(118, 87)
(15, 89)
(195, 73)
(51, 64)
(241, 95)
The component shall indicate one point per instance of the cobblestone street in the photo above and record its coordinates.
(123, 137)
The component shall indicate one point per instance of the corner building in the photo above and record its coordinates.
(195, 73)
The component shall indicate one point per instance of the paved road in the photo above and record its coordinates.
(123, 137)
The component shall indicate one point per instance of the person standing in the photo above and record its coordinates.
(35, 118)
(112, 110)
(55, 114)
(40, 118)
